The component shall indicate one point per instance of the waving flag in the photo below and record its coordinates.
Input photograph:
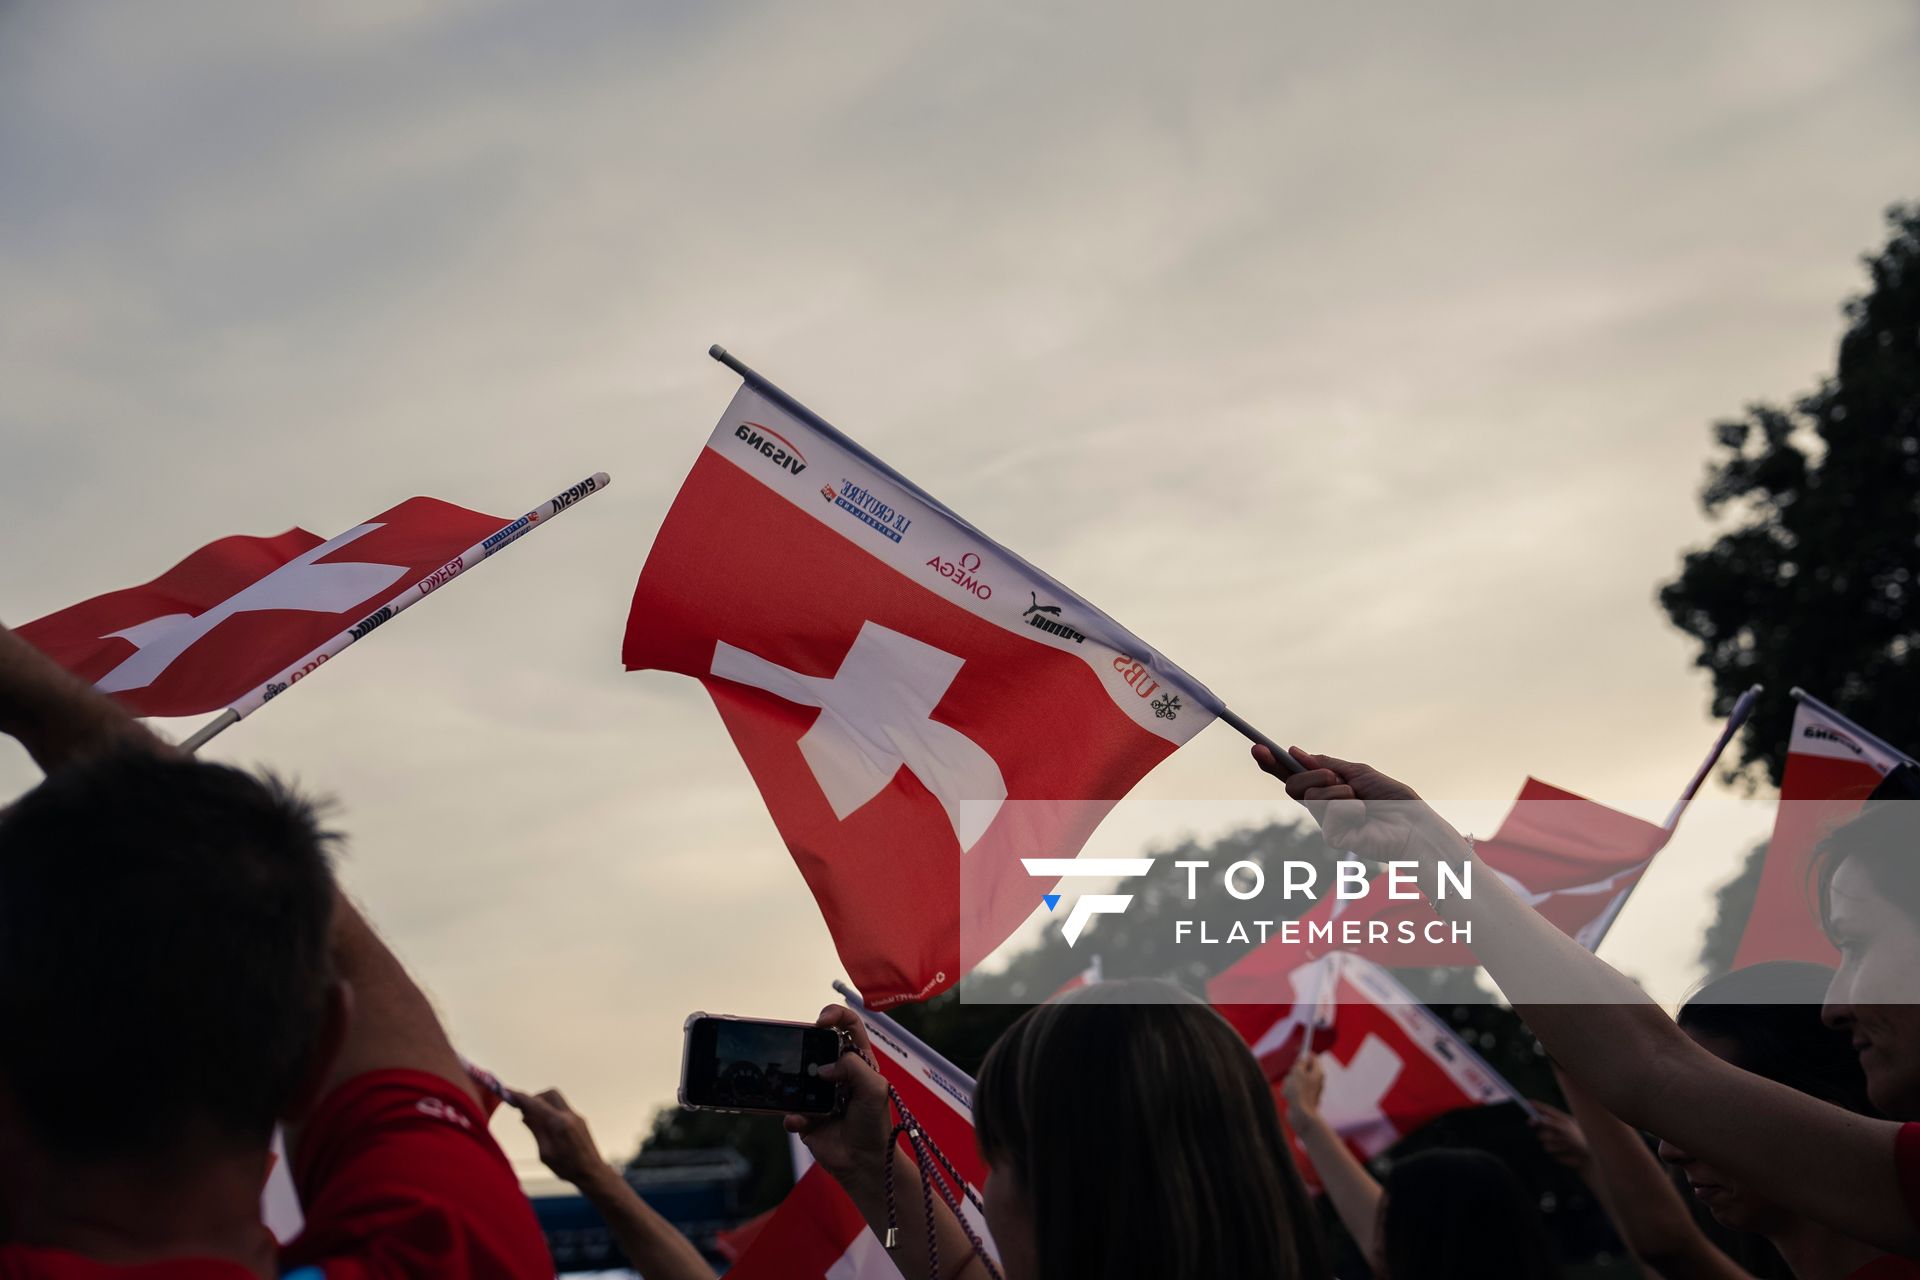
(1833, 767)
(895, 682)
(1391, 1065)
(817, 1233)
(236, 611)
(241, 620)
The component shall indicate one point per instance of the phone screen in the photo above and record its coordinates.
(737, 1064)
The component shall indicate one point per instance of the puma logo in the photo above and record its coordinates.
(1037, 607)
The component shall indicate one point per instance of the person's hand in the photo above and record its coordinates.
(561, 1134)
(855, 1145)
(87, 729)
(1302, 1089)
(1358, 807)
(1561, 1138)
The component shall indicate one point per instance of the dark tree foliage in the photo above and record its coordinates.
(1732, 904)
(1812, 583)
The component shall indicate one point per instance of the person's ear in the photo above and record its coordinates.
(336, 1015)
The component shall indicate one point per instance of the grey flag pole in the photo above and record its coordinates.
(759, 383)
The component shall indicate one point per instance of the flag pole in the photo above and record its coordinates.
(1742, 708)
(504, 536)
(772, 392)
(1801, 695)
(1602, 924)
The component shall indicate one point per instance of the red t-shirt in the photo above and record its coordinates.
(399, 1180)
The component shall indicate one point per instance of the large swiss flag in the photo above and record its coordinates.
(1391, 1065)
(918, 706)
(816, 1233)
(239, 611)
(1832, 770)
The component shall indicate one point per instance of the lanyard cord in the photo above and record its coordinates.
(933, 1164)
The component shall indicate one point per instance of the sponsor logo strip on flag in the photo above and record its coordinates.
(893, 679)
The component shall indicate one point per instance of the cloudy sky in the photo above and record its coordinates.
(1362, 361)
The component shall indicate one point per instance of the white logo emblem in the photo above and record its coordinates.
(1087, 905)
(298, 584)
(876, 718)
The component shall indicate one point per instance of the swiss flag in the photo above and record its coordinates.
(1833, 768)
(1391, 1064)
(1567, 856)
(915, 703)
(235, 613)
(816, 1233)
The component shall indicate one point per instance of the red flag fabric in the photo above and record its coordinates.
(897, 685)
(1087, 977)
(1567, 856)
(238, 611)
(1832, 769)
(1391, 1065)
(816, 1233)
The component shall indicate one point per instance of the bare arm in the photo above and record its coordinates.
(58, 717)
(653, 1245)
(855, 1148)
(1827, 1163)
(1646, 1209)
(1355, 1194)
(393, 1025)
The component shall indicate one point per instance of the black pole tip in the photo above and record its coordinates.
(717, 351)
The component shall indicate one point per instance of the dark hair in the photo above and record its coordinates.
(1461, 1215)
(1147, 1140)
(1885, 841)
(164, 966)
(1771, 1014)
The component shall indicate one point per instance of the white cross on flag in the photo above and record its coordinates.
(816, 1233)
(1391, 1064)
(239, 611)
(895, 682)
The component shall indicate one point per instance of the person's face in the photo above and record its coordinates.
(1875, 995)
(1010, 1220)
(1730, 1203)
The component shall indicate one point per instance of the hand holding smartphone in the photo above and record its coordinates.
(757, 1067)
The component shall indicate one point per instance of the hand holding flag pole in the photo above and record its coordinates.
(505, 536)
(1284, 762)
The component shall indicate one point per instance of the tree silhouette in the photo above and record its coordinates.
(1812, 582)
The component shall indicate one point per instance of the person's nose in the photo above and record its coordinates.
(1837, 1009)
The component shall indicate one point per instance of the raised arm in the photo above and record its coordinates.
(653, 1245)
(856, 1147)
(1645, 1207)
(1827, 1163)
(58, 717)
(393, 1026)
(1355, 1194)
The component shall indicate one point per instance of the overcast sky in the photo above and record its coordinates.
(1362, 360)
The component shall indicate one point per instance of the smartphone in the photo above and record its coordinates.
(751, 1065)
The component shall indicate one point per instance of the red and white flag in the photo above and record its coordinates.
(239, 611)
(1833, 767)
(1567, 856)
(1087, 977)
(1391, 1065)
(1571, 859)
(897, 684)
(816, 1233)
